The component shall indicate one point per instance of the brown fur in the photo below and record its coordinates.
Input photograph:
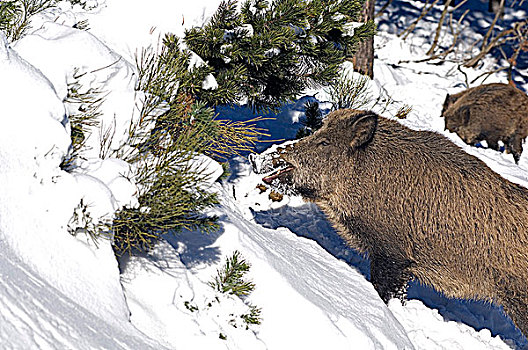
(420, 206)
(493, 112)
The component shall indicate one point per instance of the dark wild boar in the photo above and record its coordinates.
(418, 205)
(493, 112)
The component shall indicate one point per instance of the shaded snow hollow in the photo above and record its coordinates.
(62, 291)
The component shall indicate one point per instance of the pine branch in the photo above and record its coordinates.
(277, 48)
(230, 279)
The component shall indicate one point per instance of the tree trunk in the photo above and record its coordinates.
(363, 60)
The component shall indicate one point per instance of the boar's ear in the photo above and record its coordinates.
(363, 130)
(447, 103)
(465, 114)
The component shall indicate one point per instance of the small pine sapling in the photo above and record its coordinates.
(347, 91)
(171, 192)
(83, 222)
(253, 317)
(230, 280)
(84, 109)
(313, 119)
(173, 129)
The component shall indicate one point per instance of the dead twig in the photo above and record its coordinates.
(439, 28)
(424, 12)
(383, 8)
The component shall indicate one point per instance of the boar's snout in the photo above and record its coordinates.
(282, 174)
(277, 170)
(270, 160)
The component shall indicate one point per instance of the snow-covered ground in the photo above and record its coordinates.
(62, 291)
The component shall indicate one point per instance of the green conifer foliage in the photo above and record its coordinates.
(230, 279)
(173, 129)
(8, 14)
(15, 15)
(268, 52)
(313, 120)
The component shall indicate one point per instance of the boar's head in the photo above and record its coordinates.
(320, 164)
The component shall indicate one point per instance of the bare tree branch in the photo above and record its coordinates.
(439, 28)
(424, 12)
(459, 68)
(487, 74)
(382, 9)
(456, 34)
(490, 30)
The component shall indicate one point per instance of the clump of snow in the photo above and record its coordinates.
(272, 52)
(429, 329)
(209, 83)
(116, 175)
(243, 31)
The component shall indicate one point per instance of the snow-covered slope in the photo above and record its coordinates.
(309, 299)
(62, 291)
(50, 278)
(34, 314)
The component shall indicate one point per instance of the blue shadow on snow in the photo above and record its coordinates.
(309, 221)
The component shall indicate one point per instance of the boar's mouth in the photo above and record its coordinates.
(276, 170)
(280, 174)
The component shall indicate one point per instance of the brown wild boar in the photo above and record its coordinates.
(418, 205)
(493, 112)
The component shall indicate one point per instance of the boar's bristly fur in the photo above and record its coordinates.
(420, 207)
(492, 112)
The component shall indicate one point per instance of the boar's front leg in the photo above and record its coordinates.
(389, 275)
(514, 145)
(513, 295)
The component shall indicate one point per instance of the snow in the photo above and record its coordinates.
(64, 291)
(54, 278)
(293, 277)
(64, 54)
(36, 315)
(243, 31)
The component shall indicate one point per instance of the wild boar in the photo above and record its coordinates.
(493, 112)
(418, 205)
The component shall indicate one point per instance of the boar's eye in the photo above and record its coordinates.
(323, 142)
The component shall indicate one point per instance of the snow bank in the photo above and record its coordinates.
(38, 199)
(128, 26)
(66, 55)
(36, 315)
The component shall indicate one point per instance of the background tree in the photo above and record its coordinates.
(364, 58)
